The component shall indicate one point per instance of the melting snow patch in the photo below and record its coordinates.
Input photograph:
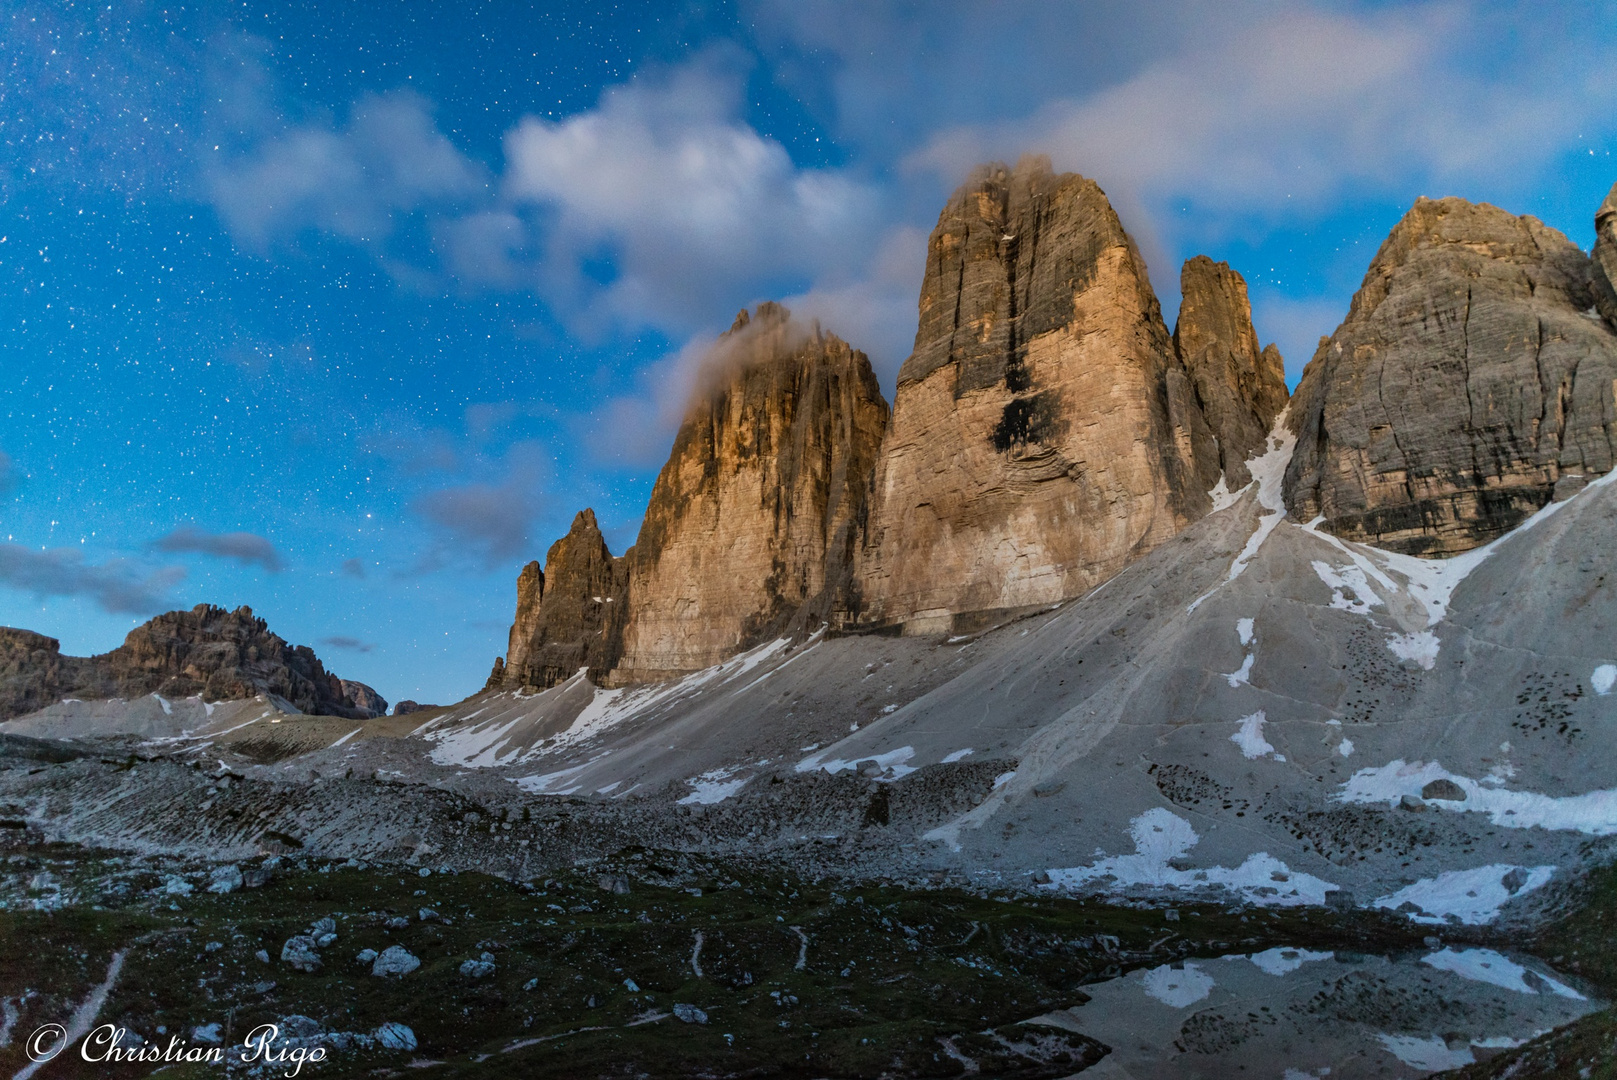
(1342, 580)
(1244, 629)
(1177, 987)
(713, 787)
(1161, 835)
(1593, 813)
(957, 755)
(345, 738)
(1283, 961)
(1472, 897)
(546, 783)
(1250, 738)
(1421, 647)
(1241, 674)
(1487, 966)
(1268, 472)
(1345, 747)
(1432, 1054)
(1604, 678)
(892, 764)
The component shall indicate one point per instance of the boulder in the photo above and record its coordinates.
(395, 961)
(301, 953)
(1468, 383)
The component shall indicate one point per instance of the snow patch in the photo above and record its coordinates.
(1345, 747)
(713, 786)
(1250, 738)
(345, 738)
(1487, 966)
(1604, 678)
(1593, 813)
(1245, 629)
(1472, 897)
(957, 755)
(1177, 987)
(1431, 1054)
(1268, 473)
(1420, 647)
(1160, 835)
(1342, 580)
(1283, 961)
(1240, 675)
(893, 764)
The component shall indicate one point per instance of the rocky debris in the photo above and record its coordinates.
(365, 956)
(753, 522)
(689, 1014)
(210, 652)
(480, 968)
(1241, 387)
(301, 953)
(569, 614)
(225, 879)
(1045, 432)
(1467, 386)
(614, 883)
(394, 1036)
(395, 961)
(1605, 258)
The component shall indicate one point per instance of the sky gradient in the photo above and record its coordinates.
(343, 311)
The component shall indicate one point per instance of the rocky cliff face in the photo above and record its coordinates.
(569, 614)
(1045, 432)
(208, 651)
(1605, 258)
(1468, 385)
(1240, 386)
(754, 520)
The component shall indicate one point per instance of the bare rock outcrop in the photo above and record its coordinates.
(208, 651)
(1469, 384)
(1045, 432)
(753, 522)
(1605, 258)
(569, 613)
(1240, 387)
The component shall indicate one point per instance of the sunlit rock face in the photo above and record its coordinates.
(569, 614)
(1470, 384)
(1045, 431)
(754, 520)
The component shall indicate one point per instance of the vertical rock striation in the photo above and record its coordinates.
(1605, 258)
(1240, 387)
(1045, 432)
(753, 522)
(1469, 383)
(569, 614)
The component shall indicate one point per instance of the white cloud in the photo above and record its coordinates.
(690, 205)
(391, 158)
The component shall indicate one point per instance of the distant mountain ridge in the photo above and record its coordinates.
(216, 654)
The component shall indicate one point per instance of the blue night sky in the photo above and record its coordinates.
(341, 311)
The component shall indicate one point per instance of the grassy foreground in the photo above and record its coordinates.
(646, 965)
